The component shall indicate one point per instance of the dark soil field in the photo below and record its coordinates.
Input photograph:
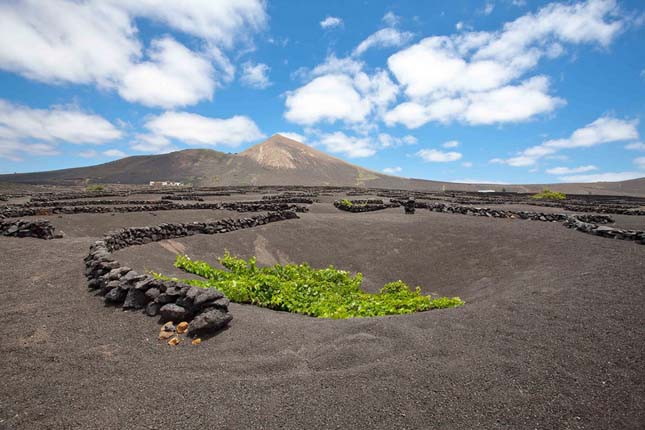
(552, 335)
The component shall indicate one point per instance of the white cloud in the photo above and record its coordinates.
(471, 76)
(331, 22)
(467, 164)
(351, 146)
(392, 170)
(174, 76)
(65, 41)
(635, 146)
(326, 98)
(388, 141)
(603, 177)
(451, 144)
(218, 22)
(255, 75)
(98, 43)
(640, 162)
(339, 90)
(435, 156)
(333, 65)
(153, 144)
(390, 19)
(384, 38)
(510, 103)
(293, 136)
(488, 8)
(56, 124)
(88, 154)
(116, 153)
(195, 129)
(15, 150)
(570, 170)
(603, 130)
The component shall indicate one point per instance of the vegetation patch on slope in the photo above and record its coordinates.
(299, 288)
(547, 194)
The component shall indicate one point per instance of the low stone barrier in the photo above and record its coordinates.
(607, 209)
(40, 229)
(194, 197)
(205, 308)
(576, 223)
(56, 203)
(14, 212)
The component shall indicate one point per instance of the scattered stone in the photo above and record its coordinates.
(169, 326)
(163, 335)
(174, 341)
(182, 327)
(196, 341)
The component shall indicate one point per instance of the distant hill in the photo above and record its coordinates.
(276, 161)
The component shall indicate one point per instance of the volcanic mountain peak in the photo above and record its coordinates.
(280, 152)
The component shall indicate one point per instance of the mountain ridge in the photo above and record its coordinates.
(275, 161)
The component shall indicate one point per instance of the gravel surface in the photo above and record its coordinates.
(552, 335)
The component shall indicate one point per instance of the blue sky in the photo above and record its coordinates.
(508, 91)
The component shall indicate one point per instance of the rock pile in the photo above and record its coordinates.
(40, 229)
(206, 309)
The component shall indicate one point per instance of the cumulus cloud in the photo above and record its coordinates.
(114, 153)
(173, 76)
(152, 144)
(331, 22)
(27, 131)
(391, 19)
(388, 141)
(510, 103)
(603, 177)
(570, 170)
(349, 97)
(640, 162)
(436, 156)
(98, 43)
(477, 77)
(15, 150)
(384, 38)
(200, 130)
(90, 153)
(392, 170)
(488, 8)
(603, 130)
(255, 75)
(351, 146)
(635, 146)
(222, 22)
(451, 144)
(326, 98)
